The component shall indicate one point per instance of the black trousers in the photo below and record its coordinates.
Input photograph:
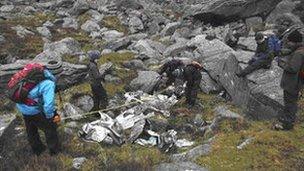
(288, 116)
(39, 121)
(191, 91)
(100, 96)
(255, 65)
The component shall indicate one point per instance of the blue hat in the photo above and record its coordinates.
(93, 54)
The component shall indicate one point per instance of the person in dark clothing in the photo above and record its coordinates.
(191, 74)
(292, 80)
(168, 69)
(262, 58)
(100, 97)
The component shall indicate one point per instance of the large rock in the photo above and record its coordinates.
(119, 44)
(208, 85)
(201, 150)
(44, 31)
(219, 11)
(259, 94)
(83, 101)
(247, 43)
(179, 166)
(79, 7)
(71, 74)
(72, 112)
(90, 26)
(170, 29)
(111, 35)
(176, 48)
(145, 81)
(135, 24)
(286, 6)
(149, 48)
(69, 22)
(55, 50)
(21, 31)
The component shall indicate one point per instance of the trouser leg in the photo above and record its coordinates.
(103, 97)
(50, 130)
(95, 97)
(254, 66)
(288, 116)
(33, 135)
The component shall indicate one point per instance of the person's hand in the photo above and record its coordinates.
(56, 118)
(282, 62)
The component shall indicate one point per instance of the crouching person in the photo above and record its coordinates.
(191, 74)
(292, 80)
(33, 90)
(168, 68)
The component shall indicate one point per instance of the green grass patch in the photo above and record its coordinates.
(116, 58)
(113, 22)
(270, 150)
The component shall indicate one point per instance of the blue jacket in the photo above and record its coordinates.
(44, 94)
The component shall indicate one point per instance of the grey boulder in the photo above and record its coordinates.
(55, 50)
(145, 81)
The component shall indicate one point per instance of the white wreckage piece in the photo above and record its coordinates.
(158, 102)
(164, 141)
(109, 130)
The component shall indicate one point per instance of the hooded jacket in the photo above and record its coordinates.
(44, 94)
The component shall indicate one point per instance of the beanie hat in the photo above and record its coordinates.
(259, 36)
(93, 54)
(295, 36)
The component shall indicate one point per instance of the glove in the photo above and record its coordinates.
(56, 118)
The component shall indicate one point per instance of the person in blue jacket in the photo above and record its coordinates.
(267, 49)
(42, 116)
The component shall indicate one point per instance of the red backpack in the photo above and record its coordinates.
(23, 82)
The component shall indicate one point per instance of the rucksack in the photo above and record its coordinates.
(22, 82)
(275, 44)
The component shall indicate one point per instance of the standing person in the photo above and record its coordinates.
(100, 97)
(262, 58)
(191, 74)
(292, 79)
(33, 90)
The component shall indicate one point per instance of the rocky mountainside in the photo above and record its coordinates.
(135, 37)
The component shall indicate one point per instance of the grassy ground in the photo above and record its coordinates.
(29, 46)
(269, 150)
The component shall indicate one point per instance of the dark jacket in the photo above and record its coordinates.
(292, 65)
(192, 75)
(262, 51)
(94, 75)
(170, 66)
